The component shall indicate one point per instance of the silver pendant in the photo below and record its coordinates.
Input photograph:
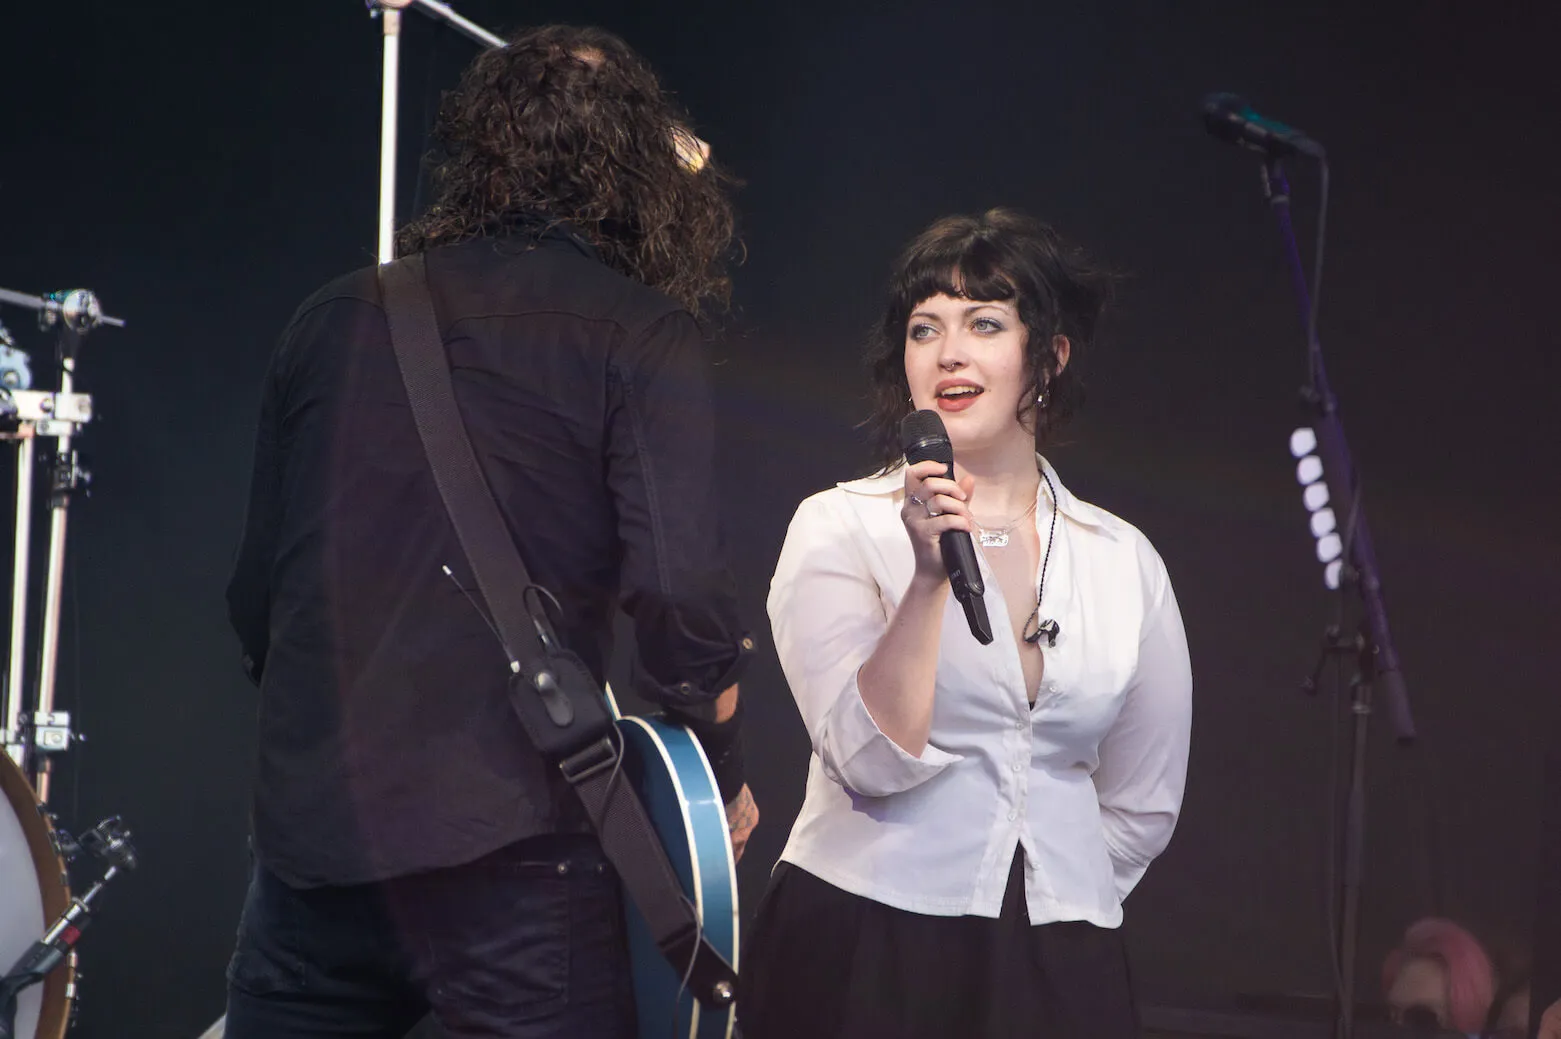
(994, 539)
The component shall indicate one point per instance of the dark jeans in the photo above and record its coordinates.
(525, 943)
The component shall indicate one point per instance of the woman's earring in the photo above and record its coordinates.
(1040, 399)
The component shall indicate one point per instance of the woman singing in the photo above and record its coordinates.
(975, 814)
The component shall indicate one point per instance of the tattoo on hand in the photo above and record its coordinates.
(742, 815)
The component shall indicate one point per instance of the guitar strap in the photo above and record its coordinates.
(560, 705)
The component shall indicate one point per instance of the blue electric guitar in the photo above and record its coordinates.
(667, 768)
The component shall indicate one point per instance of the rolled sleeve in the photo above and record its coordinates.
(856, 754)
(660, 461)
(827, 616)
(1143, 758)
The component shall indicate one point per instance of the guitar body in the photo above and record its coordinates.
(668, 770)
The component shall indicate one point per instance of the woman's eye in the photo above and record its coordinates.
(986, 324)
(921, 331)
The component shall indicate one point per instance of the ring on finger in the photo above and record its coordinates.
(918, 501)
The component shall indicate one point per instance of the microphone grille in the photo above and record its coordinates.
(1222, 116)
(924, 438)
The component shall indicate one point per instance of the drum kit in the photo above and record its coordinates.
(40, 920)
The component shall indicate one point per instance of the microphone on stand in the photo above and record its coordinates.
(1231, 119)
(924, 439)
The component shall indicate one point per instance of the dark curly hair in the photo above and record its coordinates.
(1001, 255)
(569, 125)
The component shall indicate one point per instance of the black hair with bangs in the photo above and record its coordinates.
(1000, 256)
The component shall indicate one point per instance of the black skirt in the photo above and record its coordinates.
(821, 963)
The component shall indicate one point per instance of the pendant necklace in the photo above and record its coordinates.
(1035, 627)
(997, 537)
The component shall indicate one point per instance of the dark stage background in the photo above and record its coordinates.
(204, 166)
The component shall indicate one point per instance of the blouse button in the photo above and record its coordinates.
(1018, 767)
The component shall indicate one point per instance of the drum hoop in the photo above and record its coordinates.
(54, 881)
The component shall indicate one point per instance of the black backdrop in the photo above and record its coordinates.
(205, 166)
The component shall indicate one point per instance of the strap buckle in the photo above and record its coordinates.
(711, 980)
(592, 760)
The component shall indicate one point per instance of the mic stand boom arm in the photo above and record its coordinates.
(1339, 471)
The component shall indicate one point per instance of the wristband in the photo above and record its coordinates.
(723, 746)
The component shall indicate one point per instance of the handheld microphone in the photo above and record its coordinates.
(924, 439)
(1231, 119)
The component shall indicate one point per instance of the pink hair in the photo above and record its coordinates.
(1471, 980)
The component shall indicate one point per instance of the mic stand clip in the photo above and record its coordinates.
(109, 840)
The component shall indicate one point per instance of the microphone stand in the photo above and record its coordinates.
(1376, 659)
(389, 13)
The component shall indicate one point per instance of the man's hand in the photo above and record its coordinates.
(742, 815)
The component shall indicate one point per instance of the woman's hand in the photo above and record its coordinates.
(934, 504)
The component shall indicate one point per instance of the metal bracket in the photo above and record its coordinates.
(43, 406)
(51, 731)
(68, 476)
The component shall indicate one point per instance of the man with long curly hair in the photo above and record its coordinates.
(413, 852)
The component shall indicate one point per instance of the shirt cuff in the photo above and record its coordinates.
(1127, 870)
(856, 754)
(696, 699)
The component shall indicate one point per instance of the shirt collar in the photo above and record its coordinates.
(1076, 509)
(545, 231)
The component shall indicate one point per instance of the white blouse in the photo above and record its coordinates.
(1089, 781)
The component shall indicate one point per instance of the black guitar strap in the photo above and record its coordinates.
(560, 705)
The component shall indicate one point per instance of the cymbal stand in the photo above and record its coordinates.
(32, 736)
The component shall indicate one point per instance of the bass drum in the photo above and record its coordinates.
(34, 892)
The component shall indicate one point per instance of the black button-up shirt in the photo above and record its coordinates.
(387, 743)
